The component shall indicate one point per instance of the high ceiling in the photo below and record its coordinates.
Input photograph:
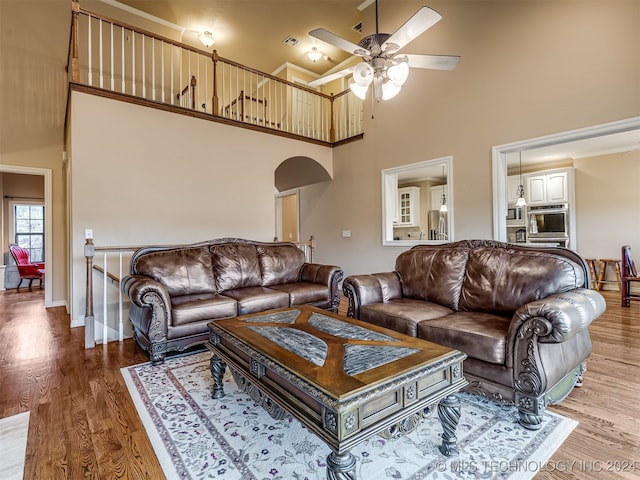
(252, 32)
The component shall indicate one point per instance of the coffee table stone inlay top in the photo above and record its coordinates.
(345, 380)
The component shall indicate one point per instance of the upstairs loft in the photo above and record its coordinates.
(113, 59)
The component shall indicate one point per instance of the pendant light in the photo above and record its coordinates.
(443, 198)
(521, 202)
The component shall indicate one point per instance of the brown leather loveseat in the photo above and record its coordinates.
(176, 290)
(520, 314)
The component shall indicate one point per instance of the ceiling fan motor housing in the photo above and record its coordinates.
(373, 43)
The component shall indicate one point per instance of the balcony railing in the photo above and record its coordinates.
(126, 60)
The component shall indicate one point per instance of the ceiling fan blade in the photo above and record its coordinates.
(332, 76)
(422, 20)
(336, 41)
(436, 62)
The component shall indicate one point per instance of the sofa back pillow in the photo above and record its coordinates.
(183, 271)
(433, 274)
(280, 263)
(235, 265)
(502, 280)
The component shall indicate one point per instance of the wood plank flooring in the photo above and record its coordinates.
(84, 424)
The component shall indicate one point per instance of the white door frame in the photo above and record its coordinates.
(499, 162)
(48, 241)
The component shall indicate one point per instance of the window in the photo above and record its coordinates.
(28, 229)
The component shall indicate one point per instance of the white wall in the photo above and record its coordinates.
(143, 176)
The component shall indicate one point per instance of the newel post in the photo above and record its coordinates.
(75, 61)
(214, 100)
(89, 319)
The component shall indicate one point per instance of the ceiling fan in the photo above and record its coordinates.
(382, 65)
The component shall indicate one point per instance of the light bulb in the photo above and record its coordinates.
(363, 74)
(399, 72)
(358, 90)
(389, 90)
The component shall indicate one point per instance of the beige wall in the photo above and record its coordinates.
(142, 176)
(608, 204)
(528, 69)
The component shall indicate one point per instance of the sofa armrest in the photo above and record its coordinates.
(373, 288)
(329, 275)
(567, 313)
(147, 293)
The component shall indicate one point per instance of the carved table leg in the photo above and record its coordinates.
(341, 466)
(217, 372)
(449, 414)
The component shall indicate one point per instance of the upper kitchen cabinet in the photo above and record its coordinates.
(408, 206)
(547, 188)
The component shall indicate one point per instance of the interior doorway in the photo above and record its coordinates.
(288, 216)
(48, 241)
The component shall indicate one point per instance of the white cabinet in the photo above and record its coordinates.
(547, 188)
(408, 206)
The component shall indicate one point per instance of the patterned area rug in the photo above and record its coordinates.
(196, 437)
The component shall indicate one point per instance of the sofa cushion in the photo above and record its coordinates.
(479, 335)
(403, 314)
(433, 274)
(235, 265)
(501, 281)
(193, 308)
(304, 292)
(258, 299)
(184, 271)
(280, 264)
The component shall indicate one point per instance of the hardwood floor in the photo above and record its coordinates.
(84, 425)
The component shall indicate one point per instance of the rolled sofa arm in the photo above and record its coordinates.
(146, 293)
(373, 288)
(329, 275)
(567, 314)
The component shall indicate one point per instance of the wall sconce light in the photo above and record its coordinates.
(314, 54)
(207, 39)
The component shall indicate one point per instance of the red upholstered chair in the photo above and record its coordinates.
(629, 275)
(26, 269)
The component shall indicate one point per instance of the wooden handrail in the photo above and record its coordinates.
(319, 123)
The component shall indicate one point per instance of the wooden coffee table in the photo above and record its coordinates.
(343, 379)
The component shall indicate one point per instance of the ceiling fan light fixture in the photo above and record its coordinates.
(207, 39)
(390, 90)
(363, 74)
(359, 90)
(314, 54)
(399, 72)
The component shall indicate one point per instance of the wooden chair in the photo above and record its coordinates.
(26, 269)
(629, 275)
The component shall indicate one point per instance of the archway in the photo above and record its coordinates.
(292, 174)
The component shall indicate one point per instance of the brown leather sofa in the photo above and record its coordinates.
(520, 314)
(176, 290)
